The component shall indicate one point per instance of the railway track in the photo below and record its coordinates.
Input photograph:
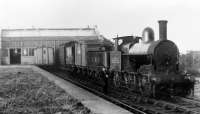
(93, 90)
(134, 102)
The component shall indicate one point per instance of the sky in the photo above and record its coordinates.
(113, 17)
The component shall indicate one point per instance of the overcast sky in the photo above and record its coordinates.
(122, 17)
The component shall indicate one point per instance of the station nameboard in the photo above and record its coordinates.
(115, 60)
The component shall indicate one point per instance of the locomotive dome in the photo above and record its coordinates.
(147, 35)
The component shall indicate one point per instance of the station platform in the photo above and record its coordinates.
(95, 103)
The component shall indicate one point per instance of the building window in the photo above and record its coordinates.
(28, 52)
(78, 49)
(31, 51)
(68, 51)
(25, 52)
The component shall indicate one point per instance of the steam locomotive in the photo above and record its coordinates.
(138, 62)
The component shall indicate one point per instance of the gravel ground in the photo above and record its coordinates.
(23, 91)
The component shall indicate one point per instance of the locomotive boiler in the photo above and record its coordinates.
(157, 60)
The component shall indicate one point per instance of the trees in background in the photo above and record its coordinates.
(190, 61)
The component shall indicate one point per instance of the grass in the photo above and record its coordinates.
(23, 91)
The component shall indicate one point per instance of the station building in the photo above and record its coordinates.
(18, 45)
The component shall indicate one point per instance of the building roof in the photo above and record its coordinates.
(50, 34)
(27, 29)
(46, 32)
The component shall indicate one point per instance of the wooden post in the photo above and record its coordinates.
(154, 90)
(134, 79)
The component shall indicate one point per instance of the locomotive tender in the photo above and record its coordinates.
(138, 62)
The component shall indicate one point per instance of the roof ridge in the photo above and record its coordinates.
(12, 29)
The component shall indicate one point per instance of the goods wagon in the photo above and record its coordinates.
(71, 53)
(44, 56)
(85, 53)
(65, 54)
(97, 59)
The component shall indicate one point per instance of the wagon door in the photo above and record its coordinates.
(38, 56)
(44, 56)
(50, 56)
(73, 54)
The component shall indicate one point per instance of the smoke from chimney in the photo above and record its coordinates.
(162, 29)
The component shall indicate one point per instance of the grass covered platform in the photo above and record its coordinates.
(23, 91)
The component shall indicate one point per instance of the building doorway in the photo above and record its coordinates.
(15, 56)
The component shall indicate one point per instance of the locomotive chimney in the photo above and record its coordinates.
(163, 29)
(116, 43)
